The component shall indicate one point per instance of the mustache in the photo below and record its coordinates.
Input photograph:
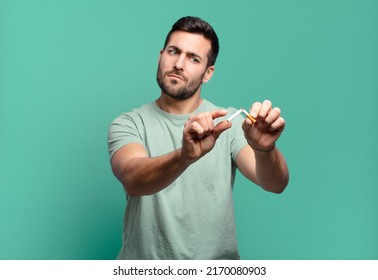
(176, 73)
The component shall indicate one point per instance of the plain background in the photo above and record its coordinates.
(68, 68)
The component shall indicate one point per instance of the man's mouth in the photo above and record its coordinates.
(175, 76)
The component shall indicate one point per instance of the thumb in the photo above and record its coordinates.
(247, 125)
(220, 128)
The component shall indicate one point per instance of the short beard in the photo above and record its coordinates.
(180, 93)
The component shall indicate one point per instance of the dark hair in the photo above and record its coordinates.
(197, 26)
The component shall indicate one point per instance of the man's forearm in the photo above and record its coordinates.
(145, 175)
(271, 170)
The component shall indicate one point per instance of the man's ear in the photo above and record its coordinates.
(161, 52)
(208, 74)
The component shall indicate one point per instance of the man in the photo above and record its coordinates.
(177, 157)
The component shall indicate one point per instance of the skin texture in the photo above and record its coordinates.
(181, 71)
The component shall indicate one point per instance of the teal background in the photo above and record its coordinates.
(68, 68)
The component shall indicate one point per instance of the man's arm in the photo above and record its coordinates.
(143, 175)
(266, 169)
(260, 161)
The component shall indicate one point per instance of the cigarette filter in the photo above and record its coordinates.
(248, 115)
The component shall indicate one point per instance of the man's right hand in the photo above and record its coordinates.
(200, 134)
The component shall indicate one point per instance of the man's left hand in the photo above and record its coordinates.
(268, 127)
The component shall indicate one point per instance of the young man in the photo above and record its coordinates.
(177, 156)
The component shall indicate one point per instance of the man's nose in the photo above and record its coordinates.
(179, 64)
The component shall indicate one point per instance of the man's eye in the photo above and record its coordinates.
(172, 52)
(195, 60)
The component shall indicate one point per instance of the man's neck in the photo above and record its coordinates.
(179, 107)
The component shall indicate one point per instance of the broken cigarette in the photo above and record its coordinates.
(234, 115)
(239, 112)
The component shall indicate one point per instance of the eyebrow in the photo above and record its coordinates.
(192, 54)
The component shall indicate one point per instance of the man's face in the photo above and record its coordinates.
(183, 65)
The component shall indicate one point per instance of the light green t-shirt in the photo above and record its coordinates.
(193, 218)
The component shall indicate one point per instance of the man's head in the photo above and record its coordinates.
(196, 25)
(188, 58)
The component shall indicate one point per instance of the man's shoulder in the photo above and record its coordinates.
(136, 113)
(143, 109)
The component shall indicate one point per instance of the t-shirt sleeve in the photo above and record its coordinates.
(123, 130)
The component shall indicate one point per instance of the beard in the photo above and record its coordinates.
(171, 87)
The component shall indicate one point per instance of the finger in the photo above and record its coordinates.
(218, 113)
(247, 124)
(209, 121)
(278, 125)
(220, 128)
(195, 128)
(273, 115)
(203, 124)
(265, 109)
(206, 121)
(255, 109)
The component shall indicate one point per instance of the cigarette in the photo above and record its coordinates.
(248, 115)
(234, 115)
